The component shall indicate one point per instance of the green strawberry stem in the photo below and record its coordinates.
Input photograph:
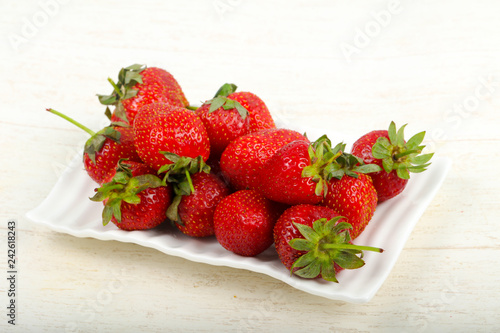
(192, 107)
(115, 87)
(189, 180)
(71, 120)
(352, 247)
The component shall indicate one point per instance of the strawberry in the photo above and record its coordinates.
(224, 119)
(313, 241)
(161, 127)
(260, 117)
(244, 222)
(135, 198)
(197, 193)
(297, 173)
(285, 230)
(232, 114)
(389, 150)
(281, 176)
(243, 158)
(350, 191)
(105, 148)
(196, 210)
(139, 85)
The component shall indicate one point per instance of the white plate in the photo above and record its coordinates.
(67, 209)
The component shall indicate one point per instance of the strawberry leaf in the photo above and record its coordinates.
(300, 244)
(422, 159)
(392, 132)
(173, 210)
(216, 103)
(351, 174)
(415, 141)
(120, 112)
(403, 173)
(121, 177)
(328, 272)
(107, 99)
(107, 113)
(388, 164)
(107, 214)
(367, 168)
(306, 231)
(117, 213)
(132, 199)
(243, 112)
(400, 136)
(382, 148)
(310, 271)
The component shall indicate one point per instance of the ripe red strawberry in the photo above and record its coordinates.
(260, 117)
(138, 86)
(314, 241)
(196, 210)
(244, 222)
(230, 115)
(105, 148)
(298, 172)
(225, 120)
(350, 191)
(281, 176)
(197, 193)
(161, 127)
(285, 230)
(354, 198)
(244, 157)
(135, 198)
(398, 158)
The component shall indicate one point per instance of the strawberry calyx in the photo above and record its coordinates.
(95, 143)
(123, 89)
(123, 187)
(350, 165)
(400, 155)
(328, 163)
(322, 157)
(178, 173)
(220, 99)
(327, 243)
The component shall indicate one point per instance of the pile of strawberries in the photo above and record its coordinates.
(224, 170)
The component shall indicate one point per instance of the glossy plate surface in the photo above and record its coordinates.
(67, 209)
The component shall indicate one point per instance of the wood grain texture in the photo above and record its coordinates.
(433, 65)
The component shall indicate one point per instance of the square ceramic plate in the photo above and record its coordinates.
(67, 209)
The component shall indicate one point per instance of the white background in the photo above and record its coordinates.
(347, 65)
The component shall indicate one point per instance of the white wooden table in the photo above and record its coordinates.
(352, 66)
